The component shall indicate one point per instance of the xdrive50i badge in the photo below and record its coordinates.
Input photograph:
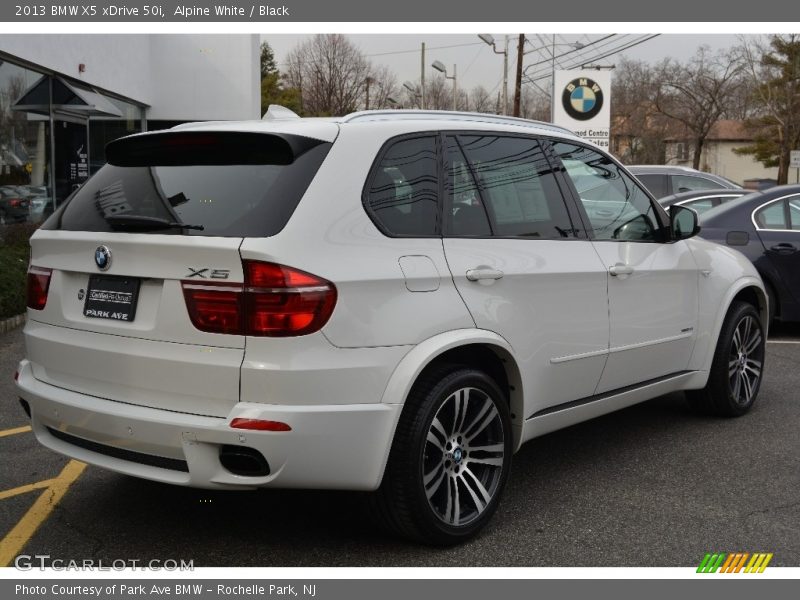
(582, 99)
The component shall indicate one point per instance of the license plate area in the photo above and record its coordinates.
(111, 297)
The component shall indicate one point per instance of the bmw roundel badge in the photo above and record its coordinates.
(582, 99)
(102, 258)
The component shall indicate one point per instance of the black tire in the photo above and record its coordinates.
(738, 365)
(432, 462)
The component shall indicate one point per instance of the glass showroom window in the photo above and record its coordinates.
(103, 130)
(25, 192)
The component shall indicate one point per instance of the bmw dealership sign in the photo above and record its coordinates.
(582, 104)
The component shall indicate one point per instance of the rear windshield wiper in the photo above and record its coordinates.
(145, 222)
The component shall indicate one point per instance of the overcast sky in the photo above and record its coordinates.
(477, 64)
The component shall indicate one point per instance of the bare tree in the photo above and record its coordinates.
(383, 86)
(638, 129)
(438, 94)
(534, 104)
(699, 93)
(481, 100)
(330, 72)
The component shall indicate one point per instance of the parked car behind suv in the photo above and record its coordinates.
(661, 180)
(14, 207)
(765, 227)
(701, 201)
(388, 301)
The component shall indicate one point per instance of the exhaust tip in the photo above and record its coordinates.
(26, 407)
(243, 461)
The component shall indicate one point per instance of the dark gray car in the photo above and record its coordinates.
(663, 180)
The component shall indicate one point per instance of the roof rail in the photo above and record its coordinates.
(447, 115)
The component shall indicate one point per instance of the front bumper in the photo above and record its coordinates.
(343, 446)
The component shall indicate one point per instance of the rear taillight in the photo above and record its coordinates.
(274, 301)
(15, 203)
(38, 285)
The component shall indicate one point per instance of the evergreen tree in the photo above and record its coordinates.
(775, 71)
(272, 89)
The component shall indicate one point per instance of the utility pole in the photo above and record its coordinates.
(518, 79)
(455, 90)
(553, 81)
(422, 79)
(368, 80)
(505, 78)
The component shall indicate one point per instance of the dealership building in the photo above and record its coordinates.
(64, 97)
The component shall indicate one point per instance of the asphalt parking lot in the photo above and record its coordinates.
(653, 485)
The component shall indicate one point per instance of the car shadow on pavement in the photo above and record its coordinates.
(331, 528)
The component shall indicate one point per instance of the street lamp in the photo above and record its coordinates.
(487, 38)
(442, 69)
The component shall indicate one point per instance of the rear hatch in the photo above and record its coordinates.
(120, 270)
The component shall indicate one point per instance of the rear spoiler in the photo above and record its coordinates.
(198, 148)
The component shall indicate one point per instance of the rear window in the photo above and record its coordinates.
(196, 183)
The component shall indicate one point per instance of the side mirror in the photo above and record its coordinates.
(682, 222)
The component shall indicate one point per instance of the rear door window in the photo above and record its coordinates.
(196, 183)
(517, 188)
(703, 205)
(772, 216)
(687, 183)
(655, 183)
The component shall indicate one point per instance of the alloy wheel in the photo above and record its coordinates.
(463, 456)
(746, 360)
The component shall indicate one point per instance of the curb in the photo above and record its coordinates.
(11, 323)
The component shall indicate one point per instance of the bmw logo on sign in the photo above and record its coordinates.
(102, 258)
(582, 98)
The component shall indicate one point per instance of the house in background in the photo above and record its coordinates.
(718, 154)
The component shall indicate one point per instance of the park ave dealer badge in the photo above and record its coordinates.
(582, 98)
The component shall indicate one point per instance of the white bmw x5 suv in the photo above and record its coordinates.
(386, 301)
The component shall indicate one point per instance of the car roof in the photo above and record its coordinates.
(748, 203)
(327, 128)
(706, 193)
(677, 169)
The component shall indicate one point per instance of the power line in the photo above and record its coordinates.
(582, 58)
(417, 50)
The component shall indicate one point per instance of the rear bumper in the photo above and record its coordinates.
(342, 446)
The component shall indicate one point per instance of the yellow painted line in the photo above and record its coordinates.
(24, 489)
(22, 429)
(15, 540)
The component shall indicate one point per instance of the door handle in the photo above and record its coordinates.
(784, 248)
(481, 273)
(620, 269)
